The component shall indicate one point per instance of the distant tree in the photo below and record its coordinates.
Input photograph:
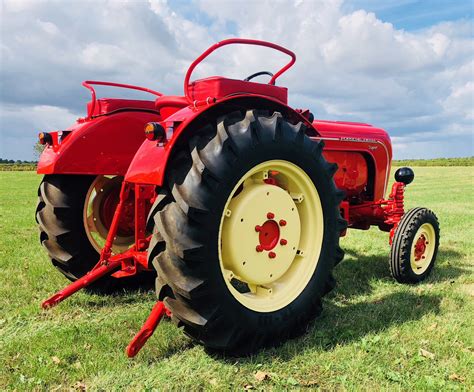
(38, 149)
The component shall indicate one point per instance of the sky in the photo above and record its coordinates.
(406, 66)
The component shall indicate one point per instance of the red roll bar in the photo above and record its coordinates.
(88, 83)
(238, 41)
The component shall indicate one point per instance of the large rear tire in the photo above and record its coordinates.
(233, 284)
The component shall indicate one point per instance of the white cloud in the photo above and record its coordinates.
(351, 65)
(20, 125)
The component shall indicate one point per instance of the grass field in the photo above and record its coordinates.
(371, 335)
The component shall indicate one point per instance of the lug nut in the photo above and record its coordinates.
(259, 248)
(258, 228)
(272, 255)
(283, 241)
(282, 222)
(270, 215)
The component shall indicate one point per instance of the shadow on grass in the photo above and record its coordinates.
(342, 324)
(355, 277)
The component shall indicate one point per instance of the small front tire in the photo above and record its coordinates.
(415, 246)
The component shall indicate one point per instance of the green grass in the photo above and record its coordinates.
(466, 161)
(369, 336)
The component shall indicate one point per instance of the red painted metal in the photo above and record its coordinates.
(104, 145)
(269, 235)
(150, 161)
(207, 91)
(86, 280)
(353, 172)
(394, 210)
(127, 263)
(139, 340)
(237, 41)
(420, 248)
(89, 83)
(359, 141)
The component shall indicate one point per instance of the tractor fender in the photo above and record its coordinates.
(104, 145)
(149, 163)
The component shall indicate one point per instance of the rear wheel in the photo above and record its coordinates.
(74, 214)
(415, 246)
(249, 235)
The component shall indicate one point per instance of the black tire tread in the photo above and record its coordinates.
(193, 177)
(400, 266)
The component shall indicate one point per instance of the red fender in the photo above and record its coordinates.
(103, 145)
(149, 163)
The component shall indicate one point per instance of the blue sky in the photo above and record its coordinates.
(415, 14)
(406, 66)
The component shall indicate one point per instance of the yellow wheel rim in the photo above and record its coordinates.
(423, 248)
(95, 226)
(270, 235)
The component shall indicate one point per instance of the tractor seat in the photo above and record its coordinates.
(169, 104)
(220, 87)
(107, 105)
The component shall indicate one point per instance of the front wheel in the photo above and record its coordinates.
(250, 235)
(415, 246)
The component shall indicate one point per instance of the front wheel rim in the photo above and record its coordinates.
(271, 235)
(423, 248)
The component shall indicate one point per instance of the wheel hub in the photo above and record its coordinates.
(99, 208)
(420, 248)
(269, 234)
(261, 234)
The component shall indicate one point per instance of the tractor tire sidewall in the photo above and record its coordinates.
(400, 253)
(218, 305)
(59, 215)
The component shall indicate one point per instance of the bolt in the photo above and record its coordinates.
(423, 257)
(258, 228)
(283, 241)
(272, 255)
(259, 248)
(426, 242)
(270, 215)
(282, 222)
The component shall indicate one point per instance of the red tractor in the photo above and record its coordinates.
(234, 201)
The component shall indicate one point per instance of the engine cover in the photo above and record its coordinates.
(352, 172)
